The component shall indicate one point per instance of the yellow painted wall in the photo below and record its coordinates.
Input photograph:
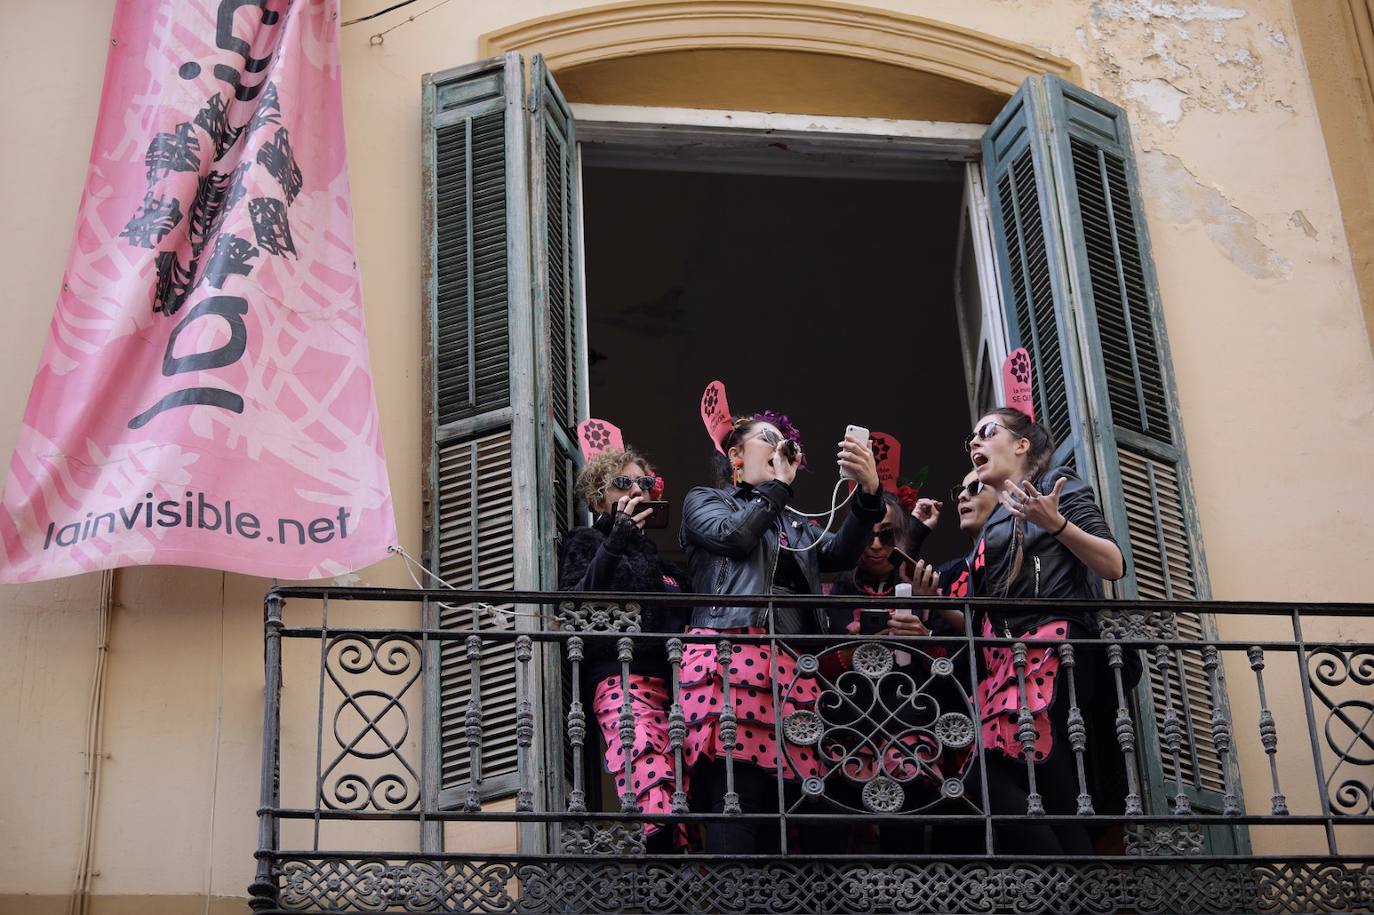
(1269, 345)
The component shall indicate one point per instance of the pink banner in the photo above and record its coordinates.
(204, 397)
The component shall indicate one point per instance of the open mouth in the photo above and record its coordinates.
(979, 459)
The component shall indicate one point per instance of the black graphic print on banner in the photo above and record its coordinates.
(270, 225)
(192, 248)
(151, 224)
(280, 164)
(178, 151)
(231, 256)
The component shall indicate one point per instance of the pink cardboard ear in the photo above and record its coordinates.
(1016, 381)
(715, 414)
(596, 435)
(887, 453)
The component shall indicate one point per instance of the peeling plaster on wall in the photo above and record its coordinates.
(1166, 59)
(1160, 97)
(1183, 199)
(1299, 220)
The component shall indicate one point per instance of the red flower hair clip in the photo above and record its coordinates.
(908, 496)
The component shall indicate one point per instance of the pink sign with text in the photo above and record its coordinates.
(205, 397)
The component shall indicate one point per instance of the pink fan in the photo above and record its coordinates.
(1016, 381)
(596, 435)
(715, 414)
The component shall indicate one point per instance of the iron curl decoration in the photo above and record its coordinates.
(599, 616)
(370, 724)
(1348, 728)
(890, 737)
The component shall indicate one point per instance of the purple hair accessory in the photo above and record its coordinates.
(789, 431)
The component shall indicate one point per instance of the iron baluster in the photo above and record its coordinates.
(1078, 732)
(524, 723)
(472, 725)
(1025, 731)
(724, 652)
(1221, 729)
(1125, 731)
(1269, 732)
(677, 725)
(577, 728)
(1172, 731)
(264, 889)
(625, 652)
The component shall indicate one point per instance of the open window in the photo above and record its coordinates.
(907, 263)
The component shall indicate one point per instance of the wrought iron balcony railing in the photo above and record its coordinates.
(1245, 761)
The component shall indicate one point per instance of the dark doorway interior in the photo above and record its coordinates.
(828, 299)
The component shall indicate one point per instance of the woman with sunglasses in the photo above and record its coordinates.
(614, 555)
(1046, 539)
(741, 538)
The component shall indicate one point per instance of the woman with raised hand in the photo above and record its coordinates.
(742, 539)
(615, 555)
(1046, 539)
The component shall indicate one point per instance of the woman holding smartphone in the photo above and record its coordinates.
(741, 538)
(1046, 539)
(614, 555)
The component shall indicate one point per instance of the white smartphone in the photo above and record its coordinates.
(859, 434)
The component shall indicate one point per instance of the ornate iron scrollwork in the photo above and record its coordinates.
(888, 736)
(599, 616)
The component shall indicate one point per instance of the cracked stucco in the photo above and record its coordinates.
(1168, 58)
(1182, 199)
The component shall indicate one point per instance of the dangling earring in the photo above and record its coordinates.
(738, 465)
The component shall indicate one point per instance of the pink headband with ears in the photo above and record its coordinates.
(596, 435)
(1016, 382)
(887, 453)
(715, 414)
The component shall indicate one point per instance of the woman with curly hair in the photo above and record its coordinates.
(614, 555)
(741, 538)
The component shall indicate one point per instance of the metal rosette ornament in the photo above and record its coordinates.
(888, 733)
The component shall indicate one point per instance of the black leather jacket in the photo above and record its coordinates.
(731, 539)
(1049, 569)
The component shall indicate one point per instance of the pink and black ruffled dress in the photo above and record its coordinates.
(750, 675)
(999, 697)
(1000, 700)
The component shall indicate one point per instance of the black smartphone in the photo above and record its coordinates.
(659, 519)
(900, 558)
(872, 622)
(789, 450)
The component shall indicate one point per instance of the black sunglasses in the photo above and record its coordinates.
(623, 484)
(973, 488)
(984, 432)
(886, 536)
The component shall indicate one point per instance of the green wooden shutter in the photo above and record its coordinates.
(1033, 272)
(1082, 297)
(561, 361)
(481, 498)
(558, 311)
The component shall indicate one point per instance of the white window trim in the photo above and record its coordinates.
(758, 142)
(992, 334)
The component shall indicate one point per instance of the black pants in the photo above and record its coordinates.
(758, 793)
